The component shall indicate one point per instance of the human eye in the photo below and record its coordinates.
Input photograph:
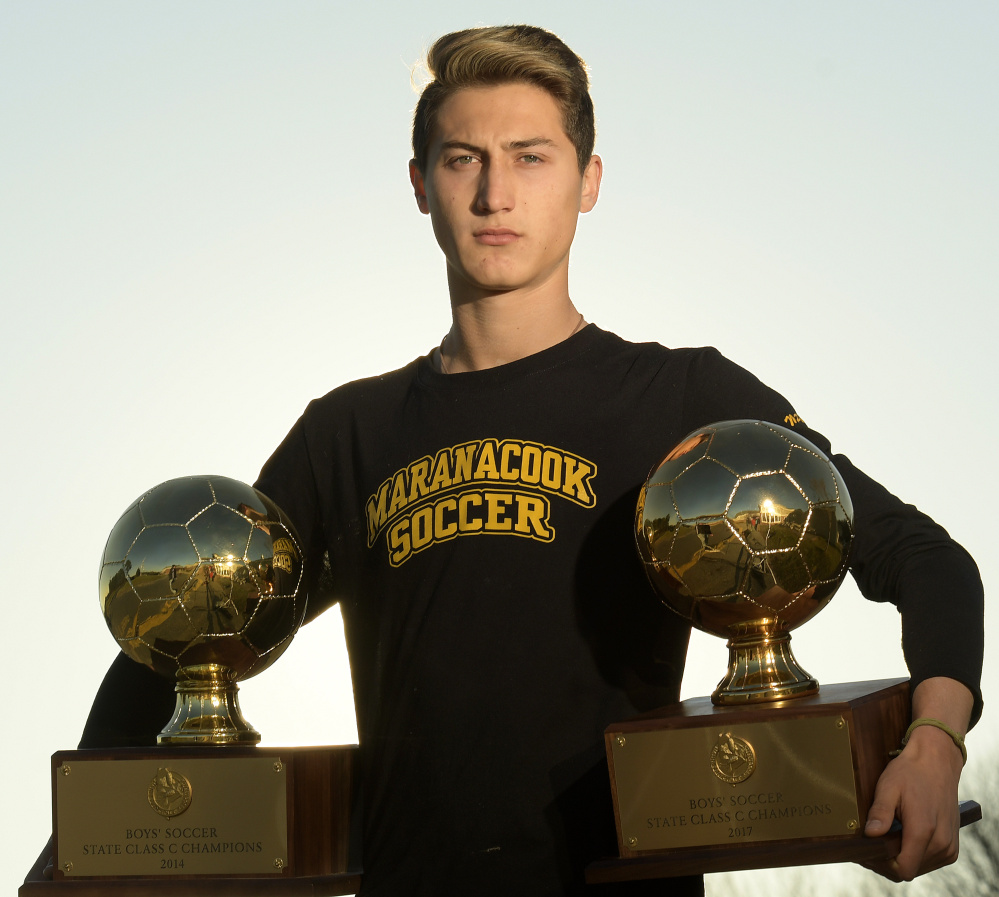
(530, 159)
(462, 161)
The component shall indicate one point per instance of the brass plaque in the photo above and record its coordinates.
(171, 816)
(760, 781)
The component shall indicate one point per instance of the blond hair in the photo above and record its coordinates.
(503, 54)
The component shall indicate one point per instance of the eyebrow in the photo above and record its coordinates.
(533, 141)
(512, 145)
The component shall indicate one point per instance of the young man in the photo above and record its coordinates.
(475, 512)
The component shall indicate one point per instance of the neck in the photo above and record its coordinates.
(493, 329)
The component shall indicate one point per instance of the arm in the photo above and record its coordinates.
(131, 707)
(288, 479)
(919, 787)
(902, 556)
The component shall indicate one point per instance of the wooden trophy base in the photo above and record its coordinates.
(230, 820)
(761, 855)
(699, 788)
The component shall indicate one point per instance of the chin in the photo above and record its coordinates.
(497, 283)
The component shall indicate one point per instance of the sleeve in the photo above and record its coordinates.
(288, 479)
(899, 554)
(131, 708)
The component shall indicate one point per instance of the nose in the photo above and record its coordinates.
(496, 190)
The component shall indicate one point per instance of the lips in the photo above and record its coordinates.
(495, 236)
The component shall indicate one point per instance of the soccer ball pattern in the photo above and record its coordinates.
(745, 523)
(203, 570)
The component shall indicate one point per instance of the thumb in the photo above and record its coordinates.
(879, 817)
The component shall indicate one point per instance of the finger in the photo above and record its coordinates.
(915, 856)
(882, 812)
(885, 868)
(942, 849)
(878, 822)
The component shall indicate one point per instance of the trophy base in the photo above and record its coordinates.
(301, 886)
(763, 855)
(748, 786)
(233, 820)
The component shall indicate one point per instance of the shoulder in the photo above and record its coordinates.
(689, 365)
(652, 354)
(710, 386)
(366, 393)
(336, 417)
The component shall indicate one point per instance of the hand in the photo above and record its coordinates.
(919, 787)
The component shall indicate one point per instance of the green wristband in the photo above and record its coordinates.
(927, 721)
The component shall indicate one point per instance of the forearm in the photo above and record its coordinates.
(131, 706)
(950, 702)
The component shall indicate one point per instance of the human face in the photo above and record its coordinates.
(503, 189)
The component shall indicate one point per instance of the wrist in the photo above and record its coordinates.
(931, 735)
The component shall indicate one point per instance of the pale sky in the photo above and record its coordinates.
(206, 221)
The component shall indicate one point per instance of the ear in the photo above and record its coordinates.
(591, 183)
(419, 188)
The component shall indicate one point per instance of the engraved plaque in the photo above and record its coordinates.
(171, 816)
(742, 782)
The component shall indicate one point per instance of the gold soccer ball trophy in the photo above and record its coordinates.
(201, 580)
(745, 530)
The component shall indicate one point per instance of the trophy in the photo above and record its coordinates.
(202, 581)
(745, 530)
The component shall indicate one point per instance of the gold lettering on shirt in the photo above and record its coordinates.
(497, 486)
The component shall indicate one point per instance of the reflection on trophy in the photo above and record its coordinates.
(745, 529)
(201, 580)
